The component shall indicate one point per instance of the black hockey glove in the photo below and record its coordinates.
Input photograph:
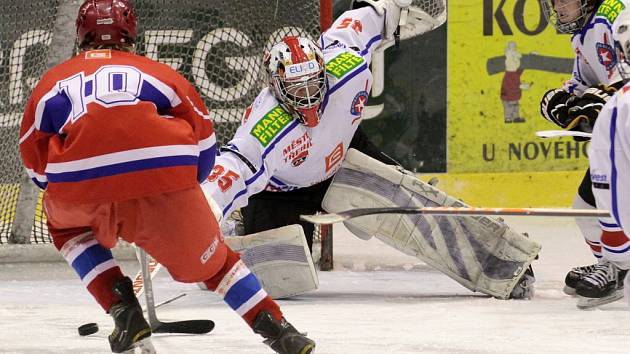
(555, 107)
(585, 109)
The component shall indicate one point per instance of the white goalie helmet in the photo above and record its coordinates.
(621, 37)
(568, 16)
(297, 77)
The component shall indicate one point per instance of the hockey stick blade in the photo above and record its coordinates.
(454, 211)
(560, 133)
(157, 326)
(186, 327)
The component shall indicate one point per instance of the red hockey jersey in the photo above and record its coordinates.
(107, 126)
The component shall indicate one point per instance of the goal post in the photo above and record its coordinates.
(217, 45)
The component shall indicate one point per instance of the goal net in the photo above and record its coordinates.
(217, 45)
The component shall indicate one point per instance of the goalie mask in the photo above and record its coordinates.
(106, 22)
(621, 37)
(297, 77)
(568, 16)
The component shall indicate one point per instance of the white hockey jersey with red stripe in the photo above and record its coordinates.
(609, 158)
(272, 151)
(108, 126)
(595, 59)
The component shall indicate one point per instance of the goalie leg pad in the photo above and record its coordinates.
(280, 259)
(481, 253)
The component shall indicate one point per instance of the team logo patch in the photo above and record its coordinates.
(358, 103)
(98, 54)
(270, 125)
(297, 150)
(299, 159)
(606, 55)
(334, 158)
(343, 63)
(610, 9)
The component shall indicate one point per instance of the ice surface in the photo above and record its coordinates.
(376, 301)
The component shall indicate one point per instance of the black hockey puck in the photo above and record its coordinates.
(87, 329)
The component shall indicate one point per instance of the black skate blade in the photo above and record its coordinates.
(188, 327)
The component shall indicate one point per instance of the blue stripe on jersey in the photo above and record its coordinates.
(150, 93)
(117, 82)
(613, 172)
(607, 224)
(41, 185)
(242, 291)
(125, 167)
(88, 88)
(56, 112)
(90, 258)
(277, 181)
(206, 162)
(227, 207)
(370, 43)
(617, 251)
(591, 25)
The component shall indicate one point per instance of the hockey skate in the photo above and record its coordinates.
(281, 336)
(601, 286)
(575, 275)
(524, 289)
(131, 329)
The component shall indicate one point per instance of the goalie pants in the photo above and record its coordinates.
(174, 228)
(269, 210)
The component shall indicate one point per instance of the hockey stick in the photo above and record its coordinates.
(157, 326)
(559, 133)
(463, 211)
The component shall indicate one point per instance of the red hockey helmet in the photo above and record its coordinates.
(106, 22)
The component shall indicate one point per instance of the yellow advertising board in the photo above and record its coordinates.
(502, 57)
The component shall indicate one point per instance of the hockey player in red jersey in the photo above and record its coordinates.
(119, 143)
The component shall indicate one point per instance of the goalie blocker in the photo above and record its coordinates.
(481, 253)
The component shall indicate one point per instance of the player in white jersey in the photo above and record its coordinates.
(576, 105)
(609, 156)
(298, 130)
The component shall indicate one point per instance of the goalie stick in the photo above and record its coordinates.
(560, 133)
(457, 211)
(157, 326)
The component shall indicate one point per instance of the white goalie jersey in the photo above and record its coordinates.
(595, 59)
(272, 151)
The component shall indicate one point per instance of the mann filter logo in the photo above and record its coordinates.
(610, 9)
(343, 64)
(270, 125)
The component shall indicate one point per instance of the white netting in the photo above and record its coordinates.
(217, 45)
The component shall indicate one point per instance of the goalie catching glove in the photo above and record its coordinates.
(400, 13)
(572, 112)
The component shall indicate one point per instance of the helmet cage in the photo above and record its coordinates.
(297, 77)
(581, 14)
(303, 92)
